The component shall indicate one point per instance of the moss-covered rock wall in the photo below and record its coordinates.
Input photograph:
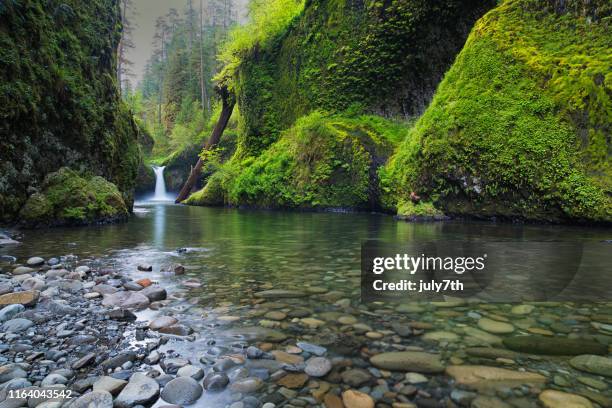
(59, 101)
(383, 57)
(520, 126)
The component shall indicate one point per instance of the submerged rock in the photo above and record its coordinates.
(557, 346)
(182, 391)
(127, 300)
(416, 361)
(480, 375)
(593, 364)
(280, 294)
(558, 399)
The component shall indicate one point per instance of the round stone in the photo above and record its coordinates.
(356, 399)
(94, 399)
(182, 391)
(216, 381)
(495, 327)
(318, 367)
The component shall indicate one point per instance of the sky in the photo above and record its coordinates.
(147, 11)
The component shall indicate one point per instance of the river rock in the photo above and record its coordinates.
(162, 321)
(109, 384)
(145, 267)
(494, 326)
(104, 289)
(154, 293)
(191, 371)
(416, 361)
(293, 380)
(522, 309)
(558, 346)
(22, 270)
(10, 372)
(318, 367)
(215, 381)
(140, 390)
(182, 391)
(127, 300)
(94, 399)
(247, 385)
(16, 325)
(6, 287)
(287, 358)
(280, 294)
(172, 365)
(593, 364)
(27, 298)
(84, 361)
(483, 375)
(356, 377)
(53, 379)
(119, 360)
(33, 284)
(356, 399)
(558, 399)
(312, 348)
(10, 311)
(35, 261)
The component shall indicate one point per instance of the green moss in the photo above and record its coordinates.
(419, 211)
(321, 162)
(68, 198)
(519, 127)
(372, 56)
(59, 100)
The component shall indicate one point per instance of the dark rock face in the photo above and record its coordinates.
(60, 104)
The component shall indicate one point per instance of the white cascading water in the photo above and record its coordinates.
(160, 185)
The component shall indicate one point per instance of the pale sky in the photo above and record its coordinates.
(147, 11)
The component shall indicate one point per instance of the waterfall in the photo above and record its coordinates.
(160, 185)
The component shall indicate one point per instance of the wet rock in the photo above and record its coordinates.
(35, 261)
(287, 358)
(109, 384)
(133, 286)
(119, 360)
(559, 346)
(84, 361)
(140, 390)
(104, 289)
(22, 270)
(254, 353)
(95, 399)
(280, 294)
(6, 287)
(176, 330)
(312, 348)
(356, 377)
(356, 399)
(154, 293)
(172, 365)
(247, 385)
(126, 300)
(16, 325)
(275, 315)
(416, 361)
(483, 401)
(145, 268)
(182, 391)
(522, 309)
(10, 311)
(438, 336)
(293, 381)
(318, 367)
(33, 284)
(558, 399)
(58, 307)
(494, 326)
(10, 372)
(481, 375)
(26, 298)
(491, 352)
(216, 381)
(191, 371)
(162, 321)
(593, 364)
(122, 315)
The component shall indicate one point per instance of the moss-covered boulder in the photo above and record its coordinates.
(59, 100)
(520, 126)
(67, 198)
(145, 180)
(321, 162)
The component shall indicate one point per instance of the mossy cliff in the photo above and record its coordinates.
(383, 57)
(520, 126)
(59, 101)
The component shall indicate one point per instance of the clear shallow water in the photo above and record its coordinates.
(232, 254)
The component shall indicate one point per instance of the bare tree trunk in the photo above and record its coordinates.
(226, 112)
(205, 102)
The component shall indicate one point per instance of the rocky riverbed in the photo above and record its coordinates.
(159, 335)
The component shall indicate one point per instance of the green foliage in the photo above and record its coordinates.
(59, 101)
(421, 210)
(519, 127)
(70, 199)
(383, 57)
(321, 162)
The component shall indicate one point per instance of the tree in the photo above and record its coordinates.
(204, 96)
(126, 43)
(159, 52)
